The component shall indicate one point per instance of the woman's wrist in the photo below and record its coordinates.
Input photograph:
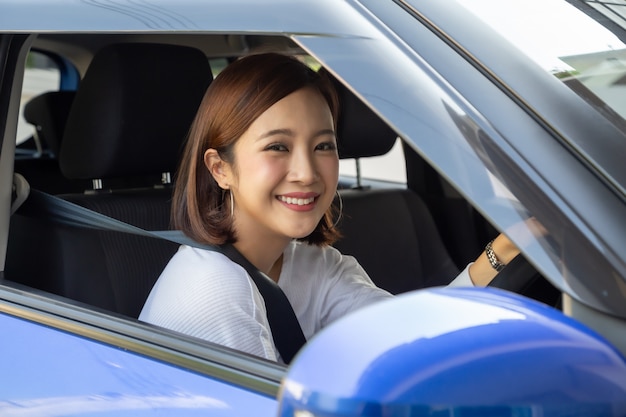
(504, 249)
(482, 270)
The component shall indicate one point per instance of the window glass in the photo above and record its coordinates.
(566, 42)
(388, 167)
(42, 74)
(217, 65)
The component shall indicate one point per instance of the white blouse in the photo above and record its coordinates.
(204, 294)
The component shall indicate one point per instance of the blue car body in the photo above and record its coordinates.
(59, 373)
(510, 139)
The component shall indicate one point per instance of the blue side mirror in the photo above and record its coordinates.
(456, 352)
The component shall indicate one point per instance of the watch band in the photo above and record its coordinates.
(493, 259)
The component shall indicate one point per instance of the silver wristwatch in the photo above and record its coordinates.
(493, 259)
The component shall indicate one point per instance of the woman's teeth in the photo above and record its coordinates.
(297, 201)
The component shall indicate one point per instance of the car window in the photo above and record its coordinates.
(582, 44)
(42, 74)
(217, 65)
(484, 113)
(567, 43)
(388, 167)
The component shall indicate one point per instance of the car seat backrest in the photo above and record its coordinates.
(129, 119)
(361, 133)
(133, 110)
(389, 231)
(48, 113)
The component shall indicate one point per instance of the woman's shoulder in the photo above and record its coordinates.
(195, 266)
(204, 294)
(201, 278)
(193, 257)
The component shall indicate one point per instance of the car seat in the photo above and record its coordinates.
(124, 132)
(48, 114)
(388, 230)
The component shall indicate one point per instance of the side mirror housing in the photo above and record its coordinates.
(456, 351)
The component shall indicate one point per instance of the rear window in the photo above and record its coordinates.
(42, 74)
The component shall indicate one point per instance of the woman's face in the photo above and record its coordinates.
(286, 169)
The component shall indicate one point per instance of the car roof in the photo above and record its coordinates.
(326, 17)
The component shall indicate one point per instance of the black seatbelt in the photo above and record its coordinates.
(286, 331)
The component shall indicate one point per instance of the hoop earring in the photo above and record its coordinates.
(339, 217)
(232, 204)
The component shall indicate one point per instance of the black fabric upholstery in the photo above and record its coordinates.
(44, 174)
(48, 113)
(132, 263)
(131, 119)
(392, 235)
(360, 132)
(110, 270)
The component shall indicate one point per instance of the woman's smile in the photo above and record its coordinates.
(299, 201)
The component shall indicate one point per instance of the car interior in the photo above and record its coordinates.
(112, 146)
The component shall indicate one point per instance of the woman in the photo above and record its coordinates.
(260, 171)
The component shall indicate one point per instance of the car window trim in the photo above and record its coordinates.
(212, 360)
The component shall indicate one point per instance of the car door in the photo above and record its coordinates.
(51, 372)
(60, 358)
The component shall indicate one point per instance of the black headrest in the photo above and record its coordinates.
(48, 113)
(360, 132)
(133, 110)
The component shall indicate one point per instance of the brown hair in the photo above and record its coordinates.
(237, 97)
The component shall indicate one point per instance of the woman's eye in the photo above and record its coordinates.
(276, 147)
(326, 146)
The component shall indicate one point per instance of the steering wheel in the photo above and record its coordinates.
(521, 277)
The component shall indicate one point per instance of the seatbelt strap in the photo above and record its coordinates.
(286, 331)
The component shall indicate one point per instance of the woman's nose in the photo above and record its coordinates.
(303, 168)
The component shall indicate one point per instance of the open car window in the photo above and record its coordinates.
(581, 43)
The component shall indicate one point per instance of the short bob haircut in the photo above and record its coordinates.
(238, 96)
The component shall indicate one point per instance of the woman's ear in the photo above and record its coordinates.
(219, 169)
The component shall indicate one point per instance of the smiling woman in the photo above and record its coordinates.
(487, 140)
(230, 108)
(259, 174)
(260, 170)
